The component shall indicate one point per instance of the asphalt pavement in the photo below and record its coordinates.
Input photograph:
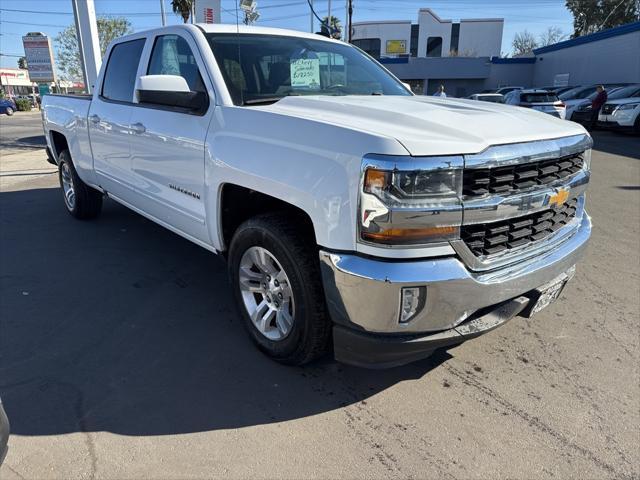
(121, 356)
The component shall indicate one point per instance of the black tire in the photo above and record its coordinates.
(309, 337)
(9, 111)
(87, 201)
(636, 126)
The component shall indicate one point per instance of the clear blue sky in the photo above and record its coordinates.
(51, 16)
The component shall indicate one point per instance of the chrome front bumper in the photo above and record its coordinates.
(363, 294)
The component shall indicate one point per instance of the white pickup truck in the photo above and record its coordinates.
(352, 213)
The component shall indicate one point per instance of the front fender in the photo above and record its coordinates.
(309, 164)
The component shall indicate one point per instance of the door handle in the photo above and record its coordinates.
(94, 118)
(137, 128)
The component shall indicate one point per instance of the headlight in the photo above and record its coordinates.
(628, 106)
(408, 201)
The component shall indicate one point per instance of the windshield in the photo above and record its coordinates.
(625, 92)
(577, 93)
(264, 68)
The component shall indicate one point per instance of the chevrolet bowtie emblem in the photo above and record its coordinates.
(558, 198)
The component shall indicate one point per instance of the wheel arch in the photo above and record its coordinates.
(58, 143)
(237, 204)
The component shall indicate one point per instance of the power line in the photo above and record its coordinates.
(33, 24)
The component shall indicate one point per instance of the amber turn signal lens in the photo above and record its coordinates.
(409, 235)
(376, 180)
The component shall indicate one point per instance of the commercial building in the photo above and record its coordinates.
(15, 81)
(609, 56)
(430, 37)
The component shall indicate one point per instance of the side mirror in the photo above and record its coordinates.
(170, 91)
(407, 86)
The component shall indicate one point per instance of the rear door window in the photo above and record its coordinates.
(122, 69)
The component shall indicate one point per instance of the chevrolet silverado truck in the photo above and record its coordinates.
(352, 214)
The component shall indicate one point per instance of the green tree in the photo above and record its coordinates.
(523, 43)
(22, 63)
(183, 8)
(68, 54)
(334, 23)
(595, 15)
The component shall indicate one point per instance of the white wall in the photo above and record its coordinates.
(432, 26)
(480, 38)
(393, 30)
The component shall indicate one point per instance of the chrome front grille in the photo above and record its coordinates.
(497, 237)
(509, 200)
(509, 179)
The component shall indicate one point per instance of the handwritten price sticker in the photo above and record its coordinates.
(305, 73)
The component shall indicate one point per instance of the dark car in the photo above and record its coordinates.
(7, 106)
(583, 113)
(4, 433)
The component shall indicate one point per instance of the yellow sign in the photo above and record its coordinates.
(558, 198)
(396, 46)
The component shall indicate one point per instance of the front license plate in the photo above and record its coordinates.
(548, 296)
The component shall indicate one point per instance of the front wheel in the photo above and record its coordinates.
(275, 276)
(81, 200)
(9, 111)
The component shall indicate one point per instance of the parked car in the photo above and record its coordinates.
(621, 114)
(576, 96)
(505, 90)
(7, 106)
(488, 97)
(349, 210)
(4, 433)
(583, 112)
(540, 100)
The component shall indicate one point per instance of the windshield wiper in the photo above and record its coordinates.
(261, 101)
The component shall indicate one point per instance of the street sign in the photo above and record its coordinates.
(37, 49)
(208, 11)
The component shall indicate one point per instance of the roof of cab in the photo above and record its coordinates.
(245, 30)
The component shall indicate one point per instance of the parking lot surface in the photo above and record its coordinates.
(121, 356)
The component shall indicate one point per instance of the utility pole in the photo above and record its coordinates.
(164, 18)
(311, 16)
(350, 17)
(329, 17)
(84, 13)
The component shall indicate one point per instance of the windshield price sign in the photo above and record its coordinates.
(305, 73)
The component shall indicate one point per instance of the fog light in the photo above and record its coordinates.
(412, 300)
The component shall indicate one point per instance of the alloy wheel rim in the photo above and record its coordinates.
(67, 186)
(266, 293)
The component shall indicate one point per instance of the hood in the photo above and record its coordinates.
(430, 125)
(624, 101)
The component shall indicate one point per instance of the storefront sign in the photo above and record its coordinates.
(396, 46)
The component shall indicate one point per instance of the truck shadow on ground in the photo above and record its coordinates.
(119, 325)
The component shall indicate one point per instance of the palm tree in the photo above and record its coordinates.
(334, 24)
(183, 8)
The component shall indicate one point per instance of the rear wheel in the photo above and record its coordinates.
(9, 111)
(636, 126)
(275, 276)
(81, 200)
